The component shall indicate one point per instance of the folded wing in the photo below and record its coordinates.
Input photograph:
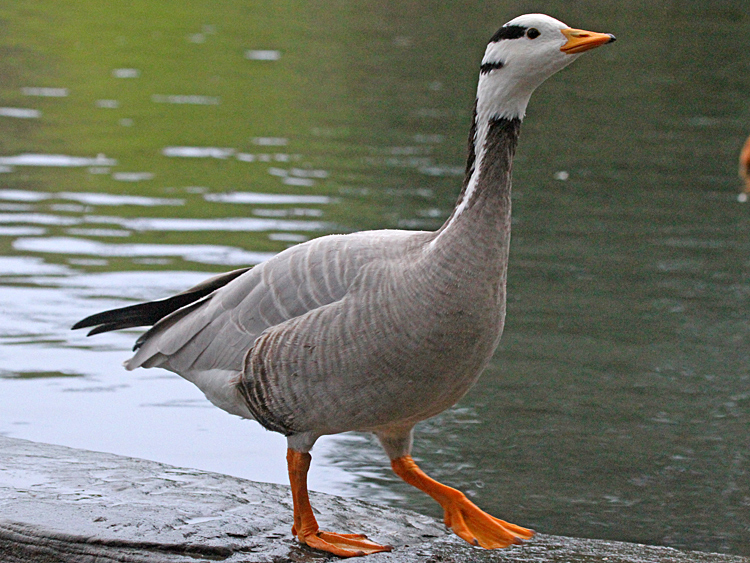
(212, 325)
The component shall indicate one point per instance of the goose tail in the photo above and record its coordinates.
(148, 314)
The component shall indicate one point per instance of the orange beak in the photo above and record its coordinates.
(580, 40)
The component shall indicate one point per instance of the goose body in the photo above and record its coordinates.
(371, 331)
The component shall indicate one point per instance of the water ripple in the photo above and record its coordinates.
(251, 197)
(21, 113)
(230, 224)
(88, 198)
(200, 253)
(59, 160)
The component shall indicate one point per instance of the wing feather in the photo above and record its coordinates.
(216, 332)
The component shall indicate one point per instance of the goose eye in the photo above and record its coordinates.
(533, 33)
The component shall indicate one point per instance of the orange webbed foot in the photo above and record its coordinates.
(342, 545)
(306, 526)
(477, 527)
(462, 516)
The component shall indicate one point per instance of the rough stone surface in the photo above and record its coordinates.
(60, 504)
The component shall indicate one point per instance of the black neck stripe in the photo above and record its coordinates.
(508, 32)
(489, 67)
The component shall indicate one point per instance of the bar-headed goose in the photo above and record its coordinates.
(371, 331)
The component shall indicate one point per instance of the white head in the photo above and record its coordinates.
(521, 55)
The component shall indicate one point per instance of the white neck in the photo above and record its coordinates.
(513, 66)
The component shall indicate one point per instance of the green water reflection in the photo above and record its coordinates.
(618, 405)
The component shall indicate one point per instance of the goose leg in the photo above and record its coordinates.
(461, 515)
(306, 527)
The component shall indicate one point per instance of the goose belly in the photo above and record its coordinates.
(340, 369)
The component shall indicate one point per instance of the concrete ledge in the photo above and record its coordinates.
(60, 504)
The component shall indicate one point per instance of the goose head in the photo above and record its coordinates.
(524, 53)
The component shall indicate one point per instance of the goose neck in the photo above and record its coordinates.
(484, 202)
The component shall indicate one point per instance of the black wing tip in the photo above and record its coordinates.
(101, 323)
(141, 314)
(103, 328)
(93, 320)
(99, 327)
(83, 323)
(150, 313)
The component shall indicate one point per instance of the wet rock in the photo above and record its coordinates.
(60, 504)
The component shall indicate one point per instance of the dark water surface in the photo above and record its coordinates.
(143, 148)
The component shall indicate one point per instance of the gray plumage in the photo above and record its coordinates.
(371, 331)
(368, 331)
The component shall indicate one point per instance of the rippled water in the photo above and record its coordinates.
(140, 158)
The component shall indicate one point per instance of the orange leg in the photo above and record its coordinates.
(306, 527)
(461, 515)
